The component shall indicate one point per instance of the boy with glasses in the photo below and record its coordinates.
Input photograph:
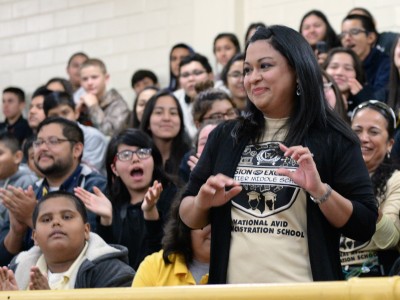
(193, 70)
(61, 104)
(359, 34)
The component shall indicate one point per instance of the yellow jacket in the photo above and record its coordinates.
(153, 271)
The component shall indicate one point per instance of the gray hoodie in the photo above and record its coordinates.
(104, 266)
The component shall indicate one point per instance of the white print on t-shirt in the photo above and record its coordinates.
(264, 191)
(353, 252)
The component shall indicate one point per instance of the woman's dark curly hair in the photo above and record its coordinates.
(177, 238)
(387, 167)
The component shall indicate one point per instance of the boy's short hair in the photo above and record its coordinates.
(10, 141)
(80, 206)
(56, 99)
(70, 129)
(16, 91)
(366, 22)
(95, 62)
(142, 74)
(41, 91)
(199, 58)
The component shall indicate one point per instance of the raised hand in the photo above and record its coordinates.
(306, 175)
(214, 193)
(38, 280)
(96, 202)
(19, 202)
(192, 162)
(150, 200)
(355, 86)
(7, 280)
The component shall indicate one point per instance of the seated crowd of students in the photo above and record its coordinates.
(97, 186)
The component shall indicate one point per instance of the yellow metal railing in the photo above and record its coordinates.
(359, 289)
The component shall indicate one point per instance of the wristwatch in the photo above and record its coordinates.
(324, 196)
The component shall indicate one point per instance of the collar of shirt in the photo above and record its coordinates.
(68, 185)
(63, 283)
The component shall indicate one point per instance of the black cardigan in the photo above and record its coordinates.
(339, 163)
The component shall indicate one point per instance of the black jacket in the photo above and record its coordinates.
(339, 163)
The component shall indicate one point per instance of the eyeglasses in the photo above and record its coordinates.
(236, 74)
(194, 73)
(50, 142)
(384, 109)
(352, 32)
(127, 155)
(230, 114)
(327, 85)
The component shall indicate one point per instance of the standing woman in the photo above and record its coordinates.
(232, 77)
(280, 184)
(163, 122)
(140, 196)
(374, 122)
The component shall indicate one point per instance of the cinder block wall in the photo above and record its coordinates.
(38, 36)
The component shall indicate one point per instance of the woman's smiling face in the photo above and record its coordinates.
(371, 128)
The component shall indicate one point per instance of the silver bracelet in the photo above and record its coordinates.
(324, 196)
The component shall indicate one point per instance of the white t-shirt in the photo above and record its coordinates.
(269, 220)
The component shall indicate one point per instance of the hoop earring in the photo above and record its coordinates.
(298, 93)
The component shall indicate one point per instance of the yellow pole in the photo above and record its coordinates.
(383, 288)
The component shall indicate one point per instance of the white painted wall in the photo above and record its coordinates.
(38, 36)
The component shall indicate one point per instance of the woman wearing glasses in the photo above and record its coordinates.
(374, 122)
(279, 184)
(212, 103)
(140, 194)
